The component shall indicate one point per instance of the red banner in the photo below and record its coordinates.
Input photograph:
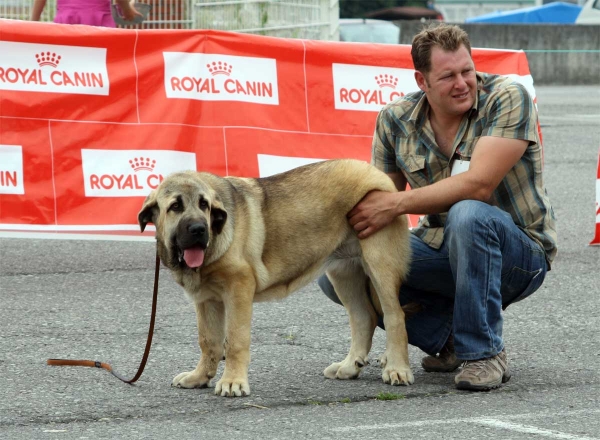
(91, 119)
(596, 239)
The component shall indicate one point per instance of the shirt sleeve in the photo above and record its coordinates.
(512, 115)
(383, 152)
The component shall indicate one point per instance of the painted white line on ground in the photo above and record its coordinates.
(381, 426)
(67, 236)
(484, 421)
(73, 228)
(494, 423)
(571, 117)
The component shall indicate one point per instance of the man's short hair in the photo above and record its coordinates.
(448, 37)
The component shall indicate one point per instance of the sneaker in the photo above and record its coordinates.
(444, 362)
(483, 374)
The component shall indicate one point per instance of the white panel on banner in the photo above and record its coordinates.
(526, 80)
(369, 88)
(11, 169)
(214, 77)
(52, 68)
(126, 173)
(269, 165)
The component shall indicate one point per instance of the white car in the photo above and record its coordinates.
(590, 13)
(368, 30)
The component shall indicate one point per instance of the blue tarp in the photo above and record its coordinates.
(557, 12)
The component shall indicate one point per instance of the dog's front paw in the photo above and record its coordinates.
(396, 374)
(191, 379)
(349, 368)
(227, 387)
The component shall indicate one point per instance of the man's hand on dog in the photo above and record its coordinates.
(375, 211)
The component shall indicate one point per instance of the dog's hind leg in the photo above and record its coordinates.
(211, 335)
(386, 256)
(349, 280)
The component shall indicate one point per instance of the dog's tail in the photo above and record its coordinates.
(409, 309)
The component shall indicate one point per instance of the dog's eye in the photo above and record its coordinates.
(175, 207)
(203, 204)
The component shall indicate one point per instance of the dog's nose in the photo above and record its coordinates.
(197, 229)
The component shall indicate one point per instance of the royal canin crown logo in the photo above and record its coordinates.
(219, 68)
(385, 80)
(53, 68)
(47, 59)
(368, 88)
(220, 77)
(126, 173)
(142, 164)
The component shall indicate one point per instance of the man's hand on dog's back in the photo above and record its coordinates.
(375, 211)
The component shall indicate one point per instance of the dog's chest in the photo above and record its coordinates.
(200, 289)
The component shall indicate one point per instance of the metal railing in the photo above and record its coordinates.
(311, 19)
(168, 14)
(21, 9)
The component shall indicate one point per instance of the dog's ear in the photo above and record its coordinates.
(218, 217)
(149, 212)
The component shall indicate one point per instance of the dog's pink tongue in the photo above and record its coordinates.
(193, 257)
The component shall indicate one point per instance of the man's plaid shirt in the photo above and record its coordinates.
(404, 142)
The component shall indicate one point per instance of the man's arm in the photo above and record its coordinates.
(492, 159)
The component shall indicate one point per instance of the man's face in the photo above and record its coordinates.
(451, 84)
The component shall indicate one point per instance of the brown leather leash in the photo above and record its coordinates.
(108, 367)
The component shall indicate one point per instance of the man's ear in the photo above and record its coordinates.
(421, 80)
(218, 217)
(149, 212)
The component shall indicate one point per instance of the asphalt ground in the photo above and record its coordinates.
(91, 300)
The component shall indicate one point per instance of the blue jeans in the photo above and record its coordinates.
(485, 263)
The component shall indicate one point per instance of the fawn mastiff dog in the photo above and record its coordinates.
(232, 241)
